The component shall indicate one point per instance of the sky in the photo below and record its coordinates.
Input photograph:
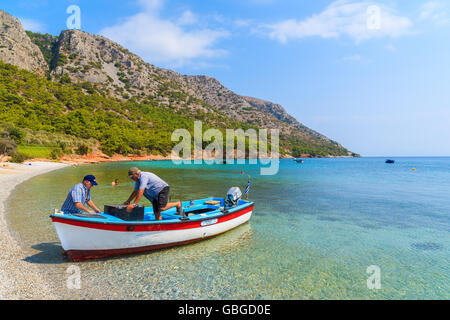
(372, 75)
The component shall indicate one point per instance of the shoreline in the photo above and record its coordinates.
(19, 279)
(101, 158)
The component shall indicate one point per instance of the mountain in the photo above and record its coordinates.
(16, 47)
(100, 66)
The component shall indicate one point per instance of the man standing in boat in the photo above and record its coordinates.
(79, 196)
(154, 189)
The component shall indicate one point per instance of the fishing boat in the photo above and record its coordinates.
(89, 236)
(390, 161)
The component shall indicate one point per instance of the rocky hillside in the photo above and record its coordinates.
(16, 47)
(95, 59)
(103, 66)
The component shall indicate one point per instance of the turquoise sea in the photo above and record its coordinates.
(317, 228)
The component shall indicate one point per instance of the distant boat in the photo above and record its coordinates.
(299, 160)
(389, 161)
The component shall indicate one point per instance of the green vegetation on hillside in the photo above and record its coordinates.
(29, 101)
(81, 112)
(36, 151)
(315, 148)
(180, 101)
(45, 42)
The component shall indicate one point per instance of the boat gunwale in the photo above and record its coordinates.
(155, 222)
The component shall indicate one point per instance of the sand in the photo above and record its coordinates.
(19, 279)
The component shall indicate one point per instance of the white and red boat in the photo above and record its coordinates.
(87, 236)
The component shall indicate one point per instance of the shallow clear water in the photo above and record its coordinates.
(316, 228)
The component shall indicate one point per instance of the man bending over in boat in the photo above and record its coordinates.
(79, 196)
(154, 189)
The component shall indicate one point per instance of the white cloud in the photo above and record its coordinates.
(158, 40)
(32, 25)
(359, 20)
(187, 18)
(151, 5)
(243, 23)
(435, 12)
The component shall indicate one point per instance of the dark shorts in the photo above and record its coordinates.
(161, 200)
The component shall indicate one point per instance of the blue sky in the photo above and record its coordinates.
(373, 75)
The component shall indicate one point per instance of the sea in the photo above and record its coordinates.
(329, 228)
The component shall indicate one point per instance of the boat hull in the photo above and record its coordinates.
(86, 240)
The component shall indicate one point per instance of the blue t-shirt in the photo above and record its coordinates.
(151, 183)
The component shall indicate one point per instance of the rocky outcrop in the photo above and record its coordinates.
(264, 114)
(115, 71)
(85, 57)
(16, 47)
(281, 114)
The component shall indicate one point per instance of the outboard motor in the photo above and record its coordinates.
(234, 194)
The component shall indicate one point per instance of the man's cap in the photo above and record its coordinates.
(132, 171)
(91, 179)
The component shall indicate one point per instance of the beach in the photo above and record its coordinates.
(19, 279)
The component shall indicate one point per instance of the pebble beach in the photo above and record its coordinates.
(19, 279)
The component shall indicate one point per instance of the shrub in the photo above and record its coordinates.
(56, 153)
(18, 157)
(16, 134)
(82, 150)
(65, 78)
(63, 146)
(7, 146)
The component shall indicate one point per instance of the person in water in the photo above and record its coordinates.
(115, 182)
(79, 196)
(154, 189)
